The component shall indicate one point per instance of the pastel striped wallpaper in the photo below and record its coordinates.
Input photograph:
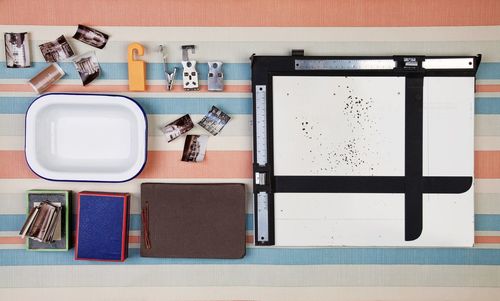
(231, 31)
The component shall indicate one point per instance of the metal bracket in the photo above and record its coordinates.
(215, 76)
(189, 74)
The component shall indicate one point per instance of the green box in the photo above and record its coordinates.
(63, 196)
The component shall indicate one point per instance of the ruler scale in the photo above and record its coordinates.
(262, 198)
(261, 124)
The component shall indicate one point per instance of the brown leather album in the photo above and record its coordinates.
(193, 220)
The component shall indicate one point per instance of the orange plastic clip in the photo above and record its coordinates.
(136, 69)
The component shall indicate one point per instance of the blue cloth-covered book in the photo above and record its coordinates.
(102, 226)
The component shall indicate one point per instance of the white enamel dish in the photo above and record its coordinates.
(86, 137)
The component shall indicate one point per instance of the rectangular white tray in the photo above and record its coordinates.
(86, 137)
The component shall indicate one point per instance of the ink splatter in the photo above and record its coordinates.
(352, 153)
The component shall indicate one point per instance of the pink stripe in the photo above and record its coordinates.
(114, 88)
(136, 239)
(287, 13)
(160, 164)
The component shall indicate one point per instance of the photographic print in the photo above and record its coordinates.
(177, 127)
(17, 50)
(57, 50)
(214, 121)
(90, 36)
(195, 147)
(87, 66)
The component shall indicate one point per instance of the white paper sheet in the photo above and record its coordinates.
(313, 126)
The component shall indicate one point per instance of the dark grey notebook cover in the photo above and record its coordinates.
(194, 220)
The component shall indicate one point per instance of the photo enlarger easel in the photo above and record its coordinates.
(364, 151)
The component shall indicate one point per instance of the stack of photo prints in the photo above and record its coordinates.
(43, 223)
(17, 55)
(195, 146)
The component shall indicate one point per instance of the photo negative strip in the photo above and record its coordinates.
(177, 127)
(195, 147)
(91, 36)
(214, 121)
(87, 66)
(58, 50)
(17, 50)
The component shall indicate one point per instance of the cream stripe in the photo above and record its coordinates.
(482, 143)
(487, 233)
(253, 293)
(286, 34)
(250, 275)
(15, 203)
(487, 185)
(487, 246)
(157, 143)
(488, 82)
(487, 203)
(485, 143)
(9, 233)
(231, 143)
(11, 247)
(487, 125)
(487, 94)
(239, 52)
(238, 126)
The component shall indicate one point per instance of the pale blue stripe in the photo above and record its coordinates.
(200, 105)
(119, 71)
(232, 71)
(14, 222)
(194, 105)
(284, 256)
(487, 105)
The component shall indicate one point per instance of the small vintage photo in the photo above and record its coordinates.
(87, 66)
(195, 147)
(58, 50)
(90, 36)
(177, 127)
(17, 50)
(214, 121)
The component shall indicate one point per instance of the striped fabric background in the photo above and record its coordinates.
(231, 31)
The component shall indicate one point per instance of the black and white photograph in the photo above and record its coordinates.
(195, 147)
(17, 50)
(87, 66)
(58, 50)
(91, 36)
(177, 127)
(214, 121)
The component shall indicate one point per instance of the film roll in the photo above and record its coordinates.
(45, 78)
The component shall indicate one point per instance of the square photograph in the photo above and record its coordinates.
(177, 127)
(58, 50)
(17, 51)
(195, 147)
(214, 121)
(91, 36)
(87, 66)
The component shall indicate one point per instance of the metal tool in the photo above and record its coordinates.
(189, 74)
(215, 76)
(170, 77)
